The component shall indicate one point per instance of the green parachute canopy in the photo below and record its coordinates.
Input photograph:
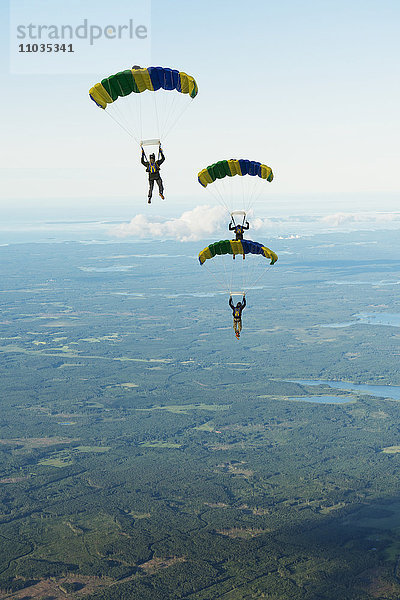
(236, 247)
(137, 80)
(229, 168)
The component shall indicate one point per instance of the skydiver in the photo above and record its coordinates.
(239, 231)
(237, 314)
(153, 169)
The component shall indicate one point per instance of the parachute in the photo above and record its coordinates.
(229, 168)
(143, 101)
(236, 193)
(236, 247)
(229, 269)
(138, 80)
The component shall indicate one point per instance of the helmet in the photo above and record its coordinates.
(152, 156)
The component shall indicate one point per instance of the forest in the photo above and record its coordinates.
(146, 453)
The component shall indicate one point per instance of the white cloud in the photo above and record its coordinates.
(192, 225)
(342, 218)
(208, 222)
(259, 223)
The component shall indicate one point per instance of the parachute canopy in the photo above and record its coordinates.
(236, 247)
(138, 80)
(229, 168)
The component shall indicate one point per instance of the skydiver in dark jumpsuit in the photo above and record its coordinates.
(153, 169)
(237, 314)
(239, 231)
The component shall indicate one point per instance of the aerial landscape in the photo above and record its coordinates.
(144, 450)
(199, 302)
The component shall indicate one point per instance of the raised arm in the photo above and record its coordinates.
(244, 302)
(231, 227)
(143, 161)
(231, 303)
(161, 160)
(246, 226)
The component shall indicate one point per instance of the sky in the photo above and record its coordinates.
(310, 88)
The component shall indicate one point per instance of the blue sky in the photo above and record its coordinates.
(310, 88)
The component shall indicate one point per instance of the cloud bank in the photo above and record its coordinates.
(208, 222)
(341, 218)
(191, 226)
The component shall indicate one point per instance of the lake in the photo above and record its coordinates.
(379, 391)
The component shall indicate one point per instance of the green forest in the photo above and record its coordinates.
(147, 454)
